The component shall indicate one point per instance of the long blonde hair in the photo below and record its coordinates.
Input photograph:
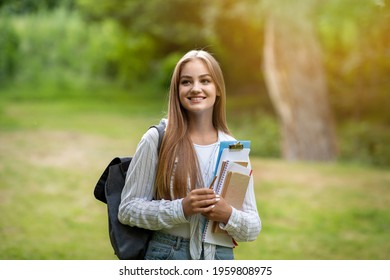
(178, 164)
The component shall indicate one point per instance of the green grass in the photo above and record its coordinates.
(52, 151)
(320, 211)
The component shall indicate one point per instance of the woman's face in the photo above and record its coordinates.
(197, 89)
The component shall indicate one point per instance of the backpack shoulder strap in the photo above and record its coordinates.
(161, 130)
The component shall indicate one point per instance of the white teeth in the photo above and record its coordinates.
(196, 99)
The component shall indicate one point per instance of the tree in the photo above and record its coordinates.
(296, 82)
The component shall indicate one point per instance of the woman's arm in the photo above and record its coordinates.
(137, 207)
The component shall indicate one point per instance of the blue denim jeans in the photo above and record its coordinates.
(169, 247)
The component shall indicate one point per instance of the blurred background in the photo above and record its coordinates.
(307, 82)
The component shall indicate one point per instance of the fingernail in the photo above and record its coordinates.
(217, 196)
(217, 199)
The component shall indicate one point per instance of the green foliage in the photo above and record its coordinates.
(261, 129)
(174, 24)
(29, 6)
(56, 51)
(355, 43)
(9, 42)
(150, 31)
(364, 142)
(131, 59)
(165, 69)
(66, 51)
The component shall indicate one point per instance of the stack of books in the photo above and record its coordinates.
(233, 176)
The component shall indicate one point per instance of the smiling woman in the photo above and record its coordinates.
(167, 191)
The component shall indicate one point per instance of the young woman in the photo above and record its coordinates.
(168, 192)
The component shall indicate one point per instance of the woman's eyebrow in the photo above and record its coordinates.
(190, 77)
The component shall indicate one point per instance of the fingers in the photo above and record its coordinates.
(199, 201)
(220, 211)
(205, 205)
(202, 191)
(202, 196)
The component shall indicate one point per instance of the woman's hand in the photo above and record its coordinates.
(199, 201)
(207, 203)
(219, 212)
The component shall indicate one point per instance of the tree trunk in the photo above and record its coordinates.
(296, 84)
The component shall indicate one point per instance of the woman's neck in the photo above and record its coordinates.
(202, 132)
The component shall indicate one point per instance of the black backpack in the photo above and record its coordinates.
(129, 243)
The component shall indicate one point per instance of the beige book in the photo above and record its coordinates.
(233, 191)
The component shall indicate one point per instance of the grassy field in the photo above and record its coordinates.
(53, 150)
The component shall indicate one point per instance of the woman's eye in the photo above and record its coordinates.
(185, 82)
(205, 81)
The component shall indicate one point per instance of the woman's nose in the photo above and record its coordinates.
(196, 87)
